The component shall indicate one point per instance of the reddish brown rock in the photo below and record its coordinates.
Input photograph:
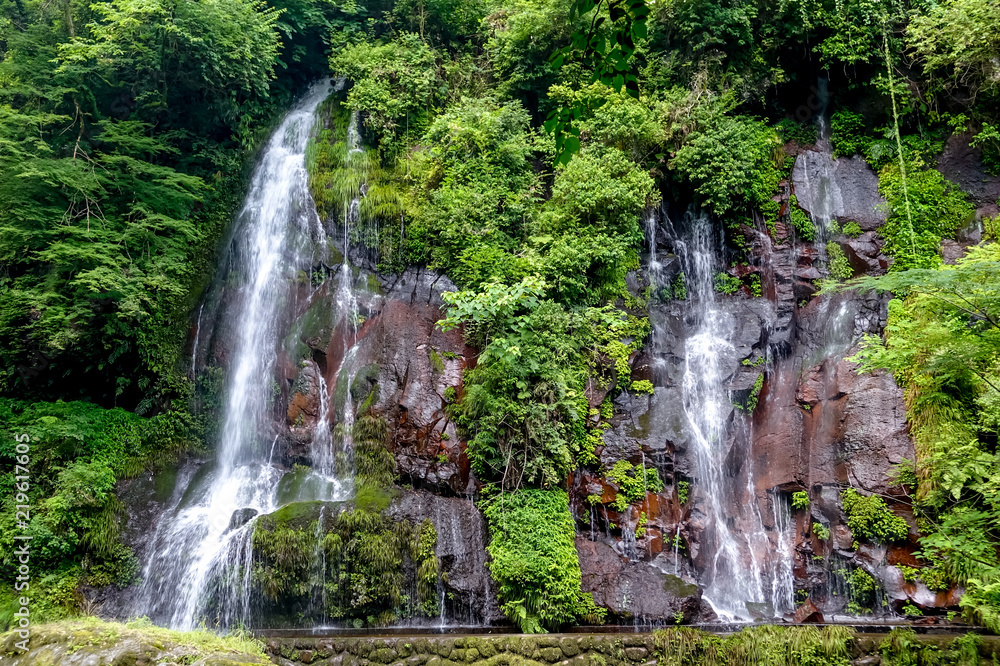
(808, 613)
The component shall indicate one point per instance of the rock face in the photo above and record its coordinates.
(963, 165)
(461, 548)
(844, 189)
(801, 418)
(637, 590)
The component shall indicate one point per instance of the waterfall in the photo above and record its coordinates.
(201, 552)
(194, 347)
(740, 573)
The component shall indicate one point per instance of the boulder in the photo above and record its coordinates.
(636, 590)
(241, 517)
(808, 613)
(461, 548)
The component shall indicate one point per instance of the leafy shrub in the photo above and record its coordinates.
(79, 452)
(840, 267)
(930, 209)
(800, 500)
(870, 518)
(731, 164)
(821, 531)
(683, 488)
(802, 133)
(634, 482)
(861, 586)
(847, 134)
(727, 284)
(394, 83)
(801, 221)
(642, 386)
(533, 559)
(852, 229)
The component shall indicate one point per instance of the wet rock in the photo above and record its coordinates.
(875, 434)
(846, 187)
(808, 613)
(963, 165)
(241, 517)
(304, 402)
(635, 589)
(461, 548)
(864, 253)
(951, 251)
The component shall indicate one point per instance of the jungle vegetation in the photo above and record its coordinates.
(513, 145)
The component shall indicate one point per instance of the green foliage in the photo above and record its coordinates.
(683, 487)
(642, 386)
(634, 482)
(861, 587)
(848, 134)
(679, 287)
(937, 210)
(367, 557)
(606, 49)
(395, 84)
(122, 128)
(801, 221)
(909, 573)
(78, 452)
(756, 646)
(750, 404)
(534, 560)
(852, 229)
(725, 283)
(802, 133)
(957, 43)
(840, 267)
(822, 532)
(870, 518)
(942, 347)
(988, 140)
(524, 408)
(800, 500)
(731, 163)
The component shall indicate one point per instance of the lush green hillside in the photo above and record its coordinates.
(126, 133)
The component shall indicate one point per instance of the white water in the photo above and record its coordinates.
(743, 566)
(199, 566)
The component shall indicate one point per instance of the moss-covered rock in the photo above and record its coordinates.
(90, 641)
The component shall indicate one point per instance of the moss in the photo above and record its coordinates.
(678, 588)
(369, 556)
(93, 640)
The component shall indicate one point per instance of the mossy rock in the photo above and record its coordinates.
(313, 329)
(302, 484)
(677, 587)
(299, 515)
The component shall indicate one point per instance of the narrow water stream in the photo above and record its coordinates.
(200, 561)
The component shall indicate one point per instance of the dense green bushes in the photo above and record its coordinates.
(534, 559)
(942, 346)
(78, 452)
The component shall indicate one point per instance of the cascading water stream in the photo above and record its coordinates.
(201, 552)
(741, 577)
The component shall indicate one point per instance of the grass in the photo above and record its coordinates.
(92, 631)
